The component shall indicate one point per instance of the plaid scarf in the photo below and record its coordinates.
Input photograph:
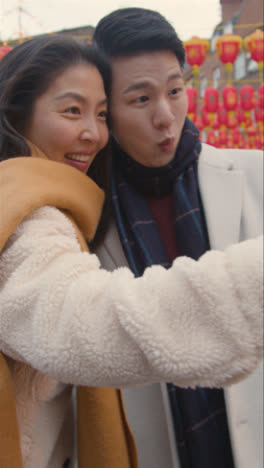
(199, 415)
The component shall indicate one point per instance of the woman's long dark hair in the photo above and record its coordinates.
(26, 72)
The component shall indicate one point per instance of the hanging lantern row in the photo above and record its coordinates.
(227, 47)
(235, 138)
(245, 101)
(228, 114)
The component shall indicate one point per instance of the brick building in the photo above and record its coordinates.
(240, 17)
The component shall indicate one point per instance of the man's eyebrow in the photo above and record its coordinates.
(134, 87)
(146, 84)
(77, 97)
(175, 76)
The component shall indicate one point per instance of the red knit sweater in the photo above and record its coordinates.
(162, 212)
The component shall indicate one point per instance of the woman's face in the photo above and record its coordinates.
(69, 120)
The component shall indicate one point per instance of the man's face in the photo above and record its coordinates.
(148, 106)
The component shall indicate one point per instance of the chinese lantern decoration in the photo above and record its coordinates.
(259, 141)
(192, 103)
(230, 98)
(222, 116)
(254, 43)
(231, 121)
(196, 51)
(236, 137)
(247, 101)
(222, 138)
(211, 101)
(248, 121)
(252, 132)
(229, 143)
(241, 116)
(4, 50)
(228, 46)
(261, 96)
(259, 117)
(242, 141)
(199, 124)
(211, 138)
(215, 122)
(205, 118)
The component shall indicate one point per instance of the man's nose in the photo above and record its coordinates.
(163, 115)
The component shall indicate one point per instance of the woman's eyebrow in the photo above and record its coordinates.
(77, 97)
(70, 94)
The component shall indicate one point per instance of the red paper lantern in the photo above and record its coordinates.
(222, 116)
(241, 116)
(231, 121)
(242, 142)
(228, 46)
(215, 122)
(205, 118)
(222, 137)
(259, 141)
(4, 50)
(192, 102)
(211, 100)
(254, 43)
(229, 143)
(248, 120)
(230, 98)
(261, 96)
(236, 135)
(247, 101)
(196, 50)
(252, 132)
(211, 138)
(199, 124)
(259, 117)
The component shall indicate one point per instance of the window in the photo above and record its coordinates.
(252, 66)
(203, 85)
(216, 77)
(228, 28)
(240, 67)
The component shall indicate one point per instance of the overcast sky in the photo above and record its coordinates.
(189, 17)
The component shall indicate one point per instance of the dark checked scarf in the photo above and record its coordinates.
(199, 415)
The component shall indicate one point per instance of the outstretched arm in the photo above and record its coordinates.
(199, 323)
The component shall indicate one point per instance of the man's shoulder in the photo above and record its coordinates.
(225, 158)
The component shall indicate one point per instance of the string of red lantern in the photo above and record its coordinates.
(230, 119)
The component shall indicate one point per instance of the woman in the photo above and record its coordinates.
(65, 322)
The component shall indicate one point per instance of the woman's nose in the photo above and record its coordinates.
(90, 131)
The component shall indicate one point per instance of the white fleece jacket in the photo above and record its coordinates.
(199, 323)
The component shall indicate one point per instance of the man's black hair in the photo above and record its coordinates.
(131, 31)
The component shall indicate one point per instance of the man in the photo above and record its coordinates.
(173, 196)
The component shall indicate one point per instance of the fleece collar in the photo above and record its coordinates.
(27, 183)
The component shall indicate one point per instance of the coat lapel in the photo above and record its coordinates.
(221, 191)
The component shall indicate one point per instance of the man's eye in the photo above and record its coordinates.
(174, 91)
(142, 99)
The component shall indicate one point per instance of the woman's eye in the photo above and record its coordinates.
(103, 115)
(72, 110)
